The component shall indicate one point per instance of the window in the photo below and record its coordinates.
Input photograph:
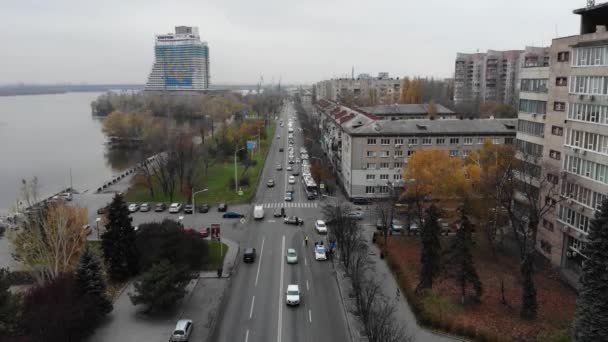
(453, 153)
(589, 85)
(547, 225)
(582, 195)
(397, 176)
(588, 113)
(384, 177)
(509, 141)
(468, 141)
(552, 178)
(586, 140)
(371, 153)
(465, 153)
(529, 148)
(370, 177)
(533, 106)
(440, 141)
(410, 153)
(370, 189)
(385, 154)
(573, 219)
(495, 141)
(531, 127)
(561, 81)
(398, 153)
(534, 85)
(385, 141)
(557, 130)
(427, 141)
(559, 106)
(563, 56)
(480, 141)
(555, 155)
(371, 165)
(384, 165)
(398, 165)
(454, 141)
(371, 141)
(399, 141)
(413, 141)
(590, 56)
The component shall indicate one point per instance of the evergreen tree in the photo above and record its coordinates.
(118, 241)
(162, 286)
(591, 319)
(431, 248)
(90, 281)
(9, 305)
(459, 261)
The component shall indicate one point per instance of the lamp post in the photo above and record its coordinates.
(193, 205)
(97, 220)
(236, 182)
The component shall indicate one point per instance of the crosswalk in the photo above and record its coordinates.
(291, 205)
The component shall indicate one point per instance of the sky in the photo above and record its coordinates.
(297, 41)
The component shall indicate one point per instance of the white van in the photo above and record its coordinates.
(258, 212)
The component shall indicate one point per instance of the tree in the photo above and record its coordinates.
(9, 305)
(118, 241)
(591, 318)
(345, 231)
(162, 286)
(431, 249)
(90, 281)
(459, 261)
(51, 239)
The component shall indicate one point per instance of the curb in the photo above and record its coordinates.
(220, 313)
(350, 332)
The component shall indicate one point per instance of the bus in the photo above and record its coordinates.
(310, 186)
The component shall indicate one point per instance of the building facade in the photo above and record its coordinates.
(181, 62)
(368, 154)
(382, 89)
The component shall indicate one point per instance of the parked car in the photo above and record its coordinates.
(357, 215)
(232, 214)
(380, 224)
(320, 227)
(292, 256)
(292, 296)
(270, 183)
(175, 208)
(277, 213)
(144, 207)
(160, 207)
(413, 229)
(293, 220)
(133, 207)
(203, 208)
(205, 232)
(360, 200)
(189, 209)
(182, 331)
(222, 207)
(397, 226)
(249, 255)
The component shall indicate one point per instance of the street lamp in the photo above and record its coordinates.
(193, 194)
(236, 182)
(97, 220)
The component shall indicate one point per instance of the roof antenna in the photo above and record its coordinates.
(590, 3)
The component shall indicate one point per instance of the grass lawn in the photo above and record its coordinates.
(220, 173)
(489, 320)
(215, 259)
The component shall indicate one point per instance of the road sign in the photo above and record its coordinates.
(322, 186)
(251, 144)
(243, 220)
(240, 192)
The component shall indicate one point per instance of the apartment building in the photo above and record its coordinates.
(181, 62)
(408, 111)
(368, 154)
(383, 89)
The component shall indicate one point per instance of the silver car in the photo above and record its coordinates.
(182, 331)
(292, 256)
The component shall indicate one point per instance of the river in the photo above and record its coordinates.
(55, 138)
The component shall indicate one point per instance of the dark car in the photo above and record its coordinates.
(277, 213)
(203, 208)
(360, 200)
(188, 209)
(232, 214)
(270, 183)
(281, 149)
(249, 255)
(293, 220)
(296, 172)
(222, 207)
(160, 207)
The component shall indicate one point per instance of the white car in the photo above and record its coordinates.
(175, 208)
(320, 252)
(292, 256)
(133, 207)
(292, 296)
(292, 180)
(320, 227)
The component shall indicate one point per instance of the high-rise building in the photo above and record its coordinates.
(181, 62)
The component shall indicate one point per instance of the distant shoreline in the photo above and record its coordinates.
(24, 90)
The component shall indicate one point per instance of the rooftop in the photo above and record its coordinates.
(396, 109)
(436, 127)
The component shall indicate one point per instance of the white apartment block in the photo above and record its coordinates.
(386, 89)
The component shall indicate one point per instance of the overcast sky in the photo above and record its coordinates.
(301, 41)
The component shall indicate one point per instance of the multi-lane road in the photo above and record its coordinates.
(255, 309)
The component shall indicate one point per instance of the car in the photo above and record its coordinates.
(293, 220)
(320, 252)
(278, 137)
(360, 200)
(133, 207)
(270, 183)
(289, 168)
(292, 180)
(175, 208)
(182, 331)
(189, 209)
(102, 210)
(291, 161)
(292, 256)
(288, 196)
(277, 213)
(292, 296)
(357, 215)
(222, 207)
(397, 226)
(380, 224)
(302, 149)
(280, 149)
(258, 212)
(160, 207)
(144, 207)
(249, 255)
(279, 167)
(413, 229)
(296, 172)
(232, 214)
(203, 208)
(320, 227)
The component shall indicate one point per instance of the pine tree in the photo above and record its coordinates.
(459, 261)
(431, 248)
(591, 319)
(90, 281)
(162, 286)
(118, 242)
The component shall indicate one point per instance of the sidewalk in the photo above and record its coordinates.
(229, 261)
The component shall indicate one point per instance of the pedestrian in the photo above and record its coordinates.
(398, 293)
(306, 240)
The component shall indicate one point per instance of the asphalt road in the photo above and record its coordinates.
(256, 308)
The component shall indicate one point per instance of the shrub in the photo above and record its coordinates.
(245, 181)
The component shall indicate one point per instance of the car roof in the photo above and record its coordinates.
(174, 204)
(293, 287)
(320, 222)
(181, 324)
(291, 250)
(249, 250)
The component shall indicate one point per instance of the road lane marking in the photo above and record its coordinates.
(307, 288)
(280, 322)
(260, 262)
(247, 335)
(309, 316)
(305, 262)
(251, 310)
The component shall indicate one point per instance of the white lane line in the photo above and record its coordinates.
(260, 262)
(272, 221)
(307, 288)
(251, 310)
(309, 316)
(247, 335)
(280, 322)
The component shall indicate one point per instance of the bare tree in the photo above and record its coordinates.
(345, 231)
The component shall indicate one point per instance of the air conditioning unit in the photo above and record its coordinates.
(584, 153)
(533, 115)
